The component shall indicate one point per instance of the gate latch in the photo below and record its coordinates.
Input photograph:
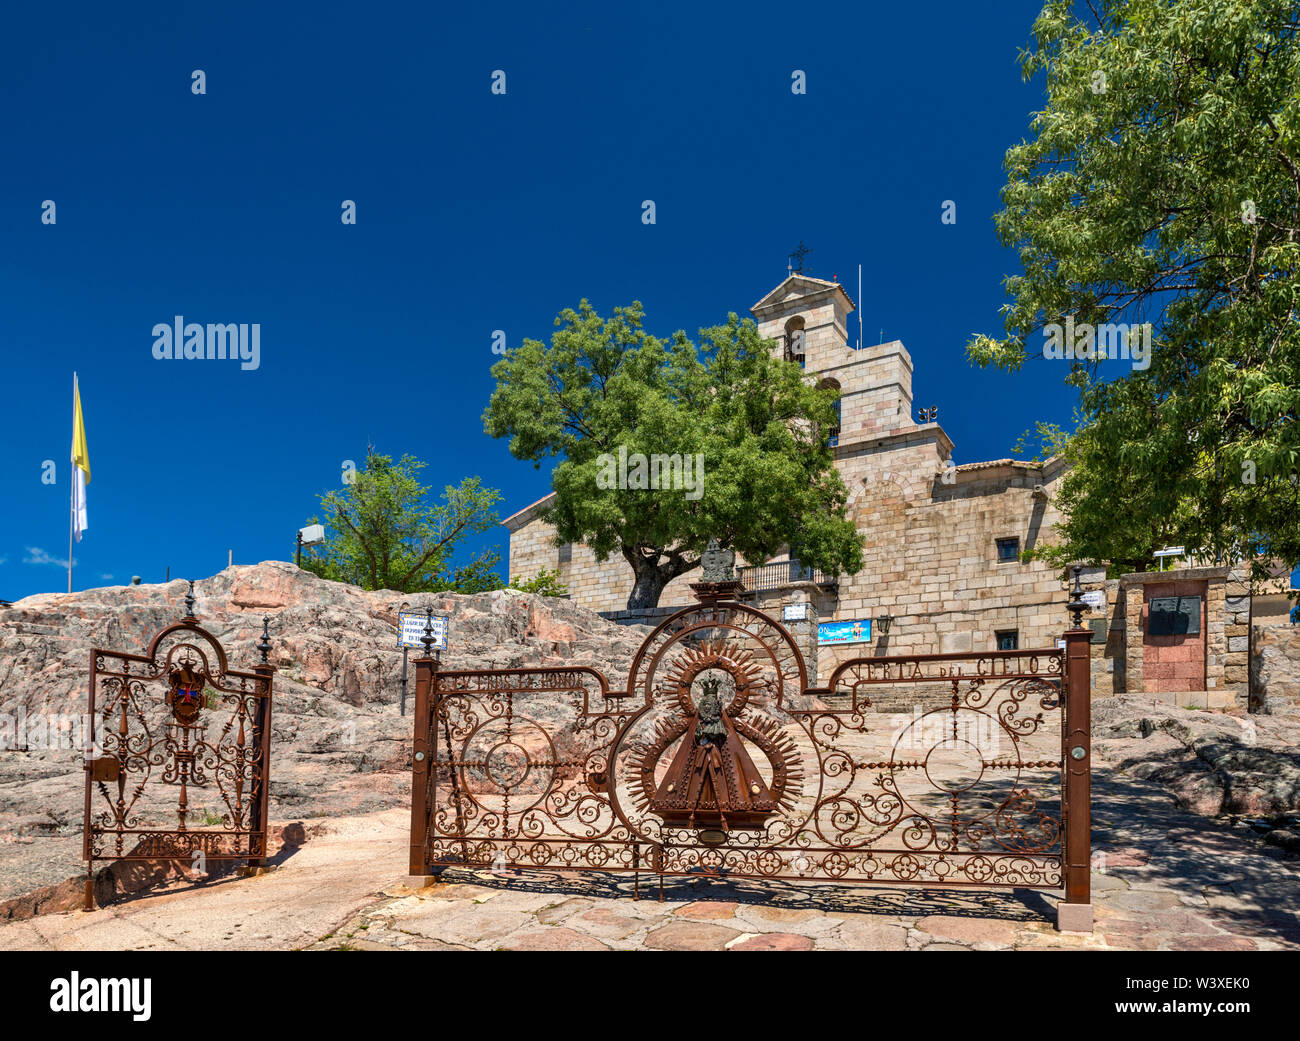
(105, 768)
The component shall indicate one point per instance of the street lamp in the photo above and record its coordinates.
(885, 621)
(312, 535)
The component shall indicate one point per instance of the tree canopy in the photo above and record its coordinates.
(1161, 184)
(748, 432)
(384, 532)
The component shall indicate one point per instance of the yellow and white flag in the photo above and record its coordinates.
(80, 464)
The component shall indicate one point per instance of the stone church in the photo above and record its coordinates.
(942, 562)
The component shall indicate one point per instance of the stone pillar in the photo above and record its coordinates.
(1236, 631)
(804, 630)
(1134, 629)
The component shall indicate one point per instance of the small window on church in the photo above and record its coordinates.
(1008, 639)
(566, 553)
(1008, 550)
(833, 435)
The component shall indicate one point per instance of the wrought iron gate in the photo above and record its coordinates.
(180, 755)
(717, 758)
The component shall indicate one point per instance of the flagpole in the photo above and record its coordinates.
(72, 483)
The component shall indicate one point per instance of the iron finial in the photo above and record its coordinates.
(1077, 605)
(189, 601)
(265, 645)
(427, 638)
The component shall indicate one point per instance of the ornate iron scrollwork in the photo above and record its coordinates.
(718, 758)
(171, 717)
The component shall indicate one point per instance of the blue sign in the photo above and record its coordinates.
(845, 632)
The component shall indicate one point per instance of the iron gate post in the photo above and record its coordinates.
(87, 854)
(1074, 913)
(425, 672)
(260, 796)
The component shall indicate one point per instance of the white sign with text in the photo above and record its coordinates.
(410, 631)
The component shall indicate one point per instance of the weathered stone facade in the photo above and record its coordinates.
(1275, 669)
(943, 542)
(931, 558)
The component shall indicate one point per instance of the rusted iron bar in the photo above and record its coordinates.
(1077, 754)
(426, 670)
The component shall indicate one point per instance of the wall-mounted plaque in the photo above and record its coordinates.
(1174, 616)
(1098, 627)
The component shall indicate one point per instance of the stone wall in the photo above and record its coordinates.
(931, 556)
(931, 559)
(602, 587)
(1209, 670)
(1275, 670)
(931, 532)
(1175, 662)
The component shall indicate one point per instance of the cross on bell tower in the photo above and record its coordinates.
(797, 256)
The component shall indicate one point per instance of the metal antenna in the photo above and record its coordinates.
(859, 307)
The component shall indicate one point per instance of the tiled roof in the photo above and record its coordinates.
(994, 463)
(530, 506)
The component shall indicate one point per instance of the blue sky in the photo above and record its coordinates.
(475, 212)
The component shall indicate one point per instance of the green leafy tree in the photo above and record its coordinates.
(1125, 539)
(478, 576)
(545, 583)
(1161, 184)
(605, 386)
(384, 532)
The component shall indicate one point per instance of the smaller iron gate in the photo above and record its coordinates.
(179, 761)
(718, 759)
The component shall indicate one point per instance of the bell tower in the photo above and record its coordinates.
(808, 320)
(808, 317)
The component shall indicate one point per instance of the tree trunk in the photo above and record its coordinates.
(652, 576)
(647, 588)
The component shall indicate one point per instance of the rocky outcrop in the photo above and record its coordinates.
(339, 745)
(1213, 763)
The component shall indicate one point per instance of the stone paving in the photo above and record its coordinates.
(327, 879)
(1165, 879)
